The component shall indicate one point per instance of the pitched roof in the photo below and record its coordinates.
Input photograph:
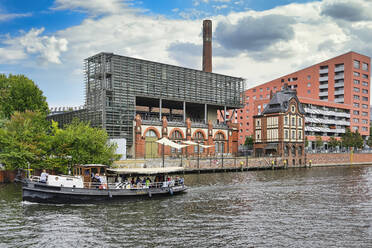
(279, 103)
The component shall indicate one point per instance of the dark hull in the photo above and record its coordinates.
(39, 193)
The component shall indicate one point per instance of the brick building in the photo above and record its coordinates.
(335, 95)
(279, 129)
(143, 101)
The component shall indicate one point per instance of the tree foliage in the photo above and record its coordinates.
(81, 144)
(18, 93)
(28, 138)
(249, 141)
(24, 140)
(352, 139)
(333, 142)
(318, 142)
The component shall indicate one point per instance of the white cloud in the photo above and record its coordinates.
(10, 16)
(47, 48)
(316, 37)
(93, 6)
(10, 56)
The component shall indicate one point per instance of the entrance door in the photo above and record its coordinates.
(151, 148)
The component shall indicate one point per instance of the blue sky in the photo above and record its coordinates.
(47, 40)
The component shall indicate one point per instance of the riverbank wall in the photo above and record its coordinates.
(225, 164)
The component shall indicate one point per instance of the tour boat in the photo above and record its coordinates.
(111, 184)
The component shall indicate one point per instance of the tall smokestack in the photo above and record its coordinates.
(207, 45)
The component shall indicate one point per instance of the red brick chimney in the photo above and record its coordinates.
(207, 45)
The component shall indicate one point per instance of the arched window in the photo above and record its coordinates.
(176, 137)
(293, 151)
(300, 151)
(219, 142)
(199, 138)
(286, 148)
(151, 133)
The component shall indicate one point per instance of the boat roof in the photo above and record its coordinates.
(92, 165)
(146, 171)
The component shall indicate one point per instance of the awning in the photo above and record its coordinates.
(189, 142)
(170, 143)
(271, 146)
(192, 143)
(146, 171)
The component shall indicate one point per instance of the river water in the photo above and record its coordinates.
(317, 207)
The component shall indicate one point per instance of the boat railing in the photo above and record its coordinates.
(128, 185)
(34, 178)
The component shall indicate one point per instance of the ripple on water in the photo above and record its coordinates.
(318, 207)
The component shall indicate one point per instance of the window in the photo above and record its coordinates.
(247, 111)
(286, 134)
(365, 83)
(365, 66)
(308, 84)
(267, 88)
(308, 77)
(260, 96)
(261, 89)
(356, 81)
(199, 138)
(299, 134)
(275, 88)
(300, 122)
(356, 64)
(365, 129)
(356, 89)
(151, 133)
(356, 112)
(254, 90)
(286, 120)
(293, 108)
(293, 121)
(364, 91)
(356, 120)
(308, 91)
(356, 97)
(282, 80)
(365, 106)
(355, 128)
(264, 106)
(293, 134)
(356, 74)
(356, 105)
(254, 97)
(365, 76)
(364, 121)
(364, 98)
(259, 109)
(268, 96)
(364, 113)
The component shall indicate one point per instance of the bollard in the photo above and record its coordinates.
(272, 165)
(310, 163)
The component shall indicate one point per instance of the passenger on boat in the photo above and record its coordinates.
(132, 181)
(97, 178)
(44, 177)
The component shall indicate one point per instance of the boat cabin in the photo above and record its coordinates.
(88, 172)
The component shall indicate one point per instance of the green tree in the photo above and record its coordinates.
(79, 143)
(333, 142)
(23, 140)
(18, 93)
(357, 140)
(249, 141)
(318, 142)
(347, 138)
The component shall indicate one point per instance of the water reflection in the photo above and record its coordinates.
(314, 207)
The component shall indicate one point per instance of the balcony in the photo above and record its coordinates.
(323, 86)
(339, 92)
(322, 79)
(339, 76)
(339, 68)
(321, 71)
(337, 85)
(324, 93)
(339, 100)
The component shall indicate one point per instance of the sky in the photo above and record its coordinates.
(48, 40)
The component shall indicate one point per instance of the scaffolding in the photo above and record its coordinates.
(116, 85)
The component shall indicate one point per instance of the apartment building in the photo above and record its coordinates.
(335, 95)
